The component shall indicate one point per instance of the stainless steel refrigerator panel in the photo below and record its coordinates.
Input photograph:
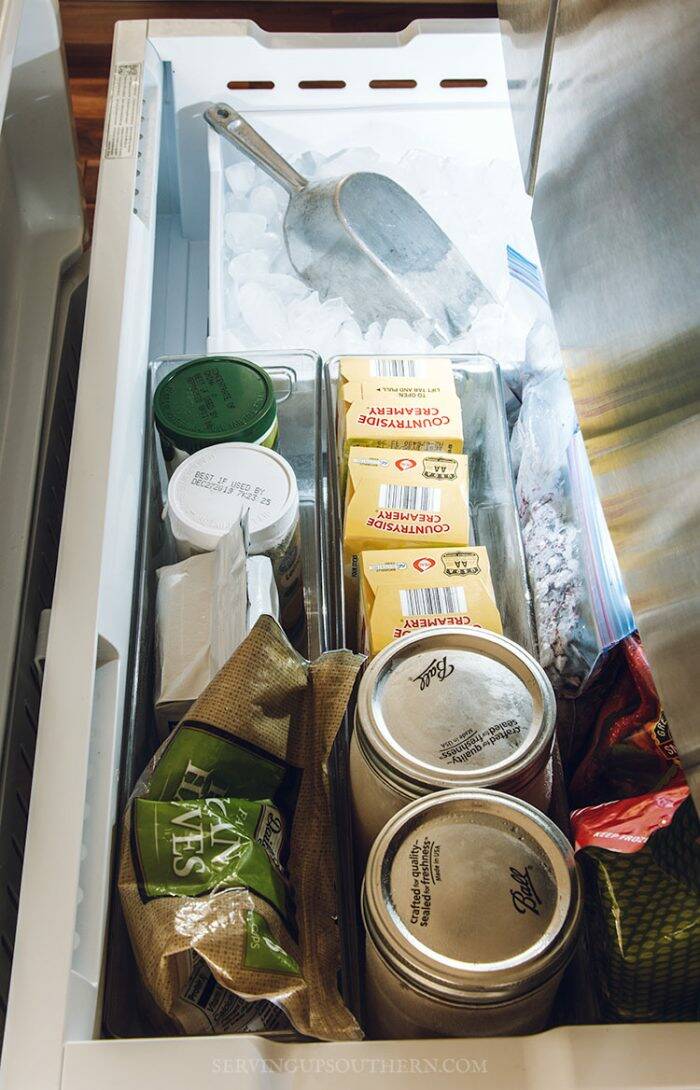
(617, 218)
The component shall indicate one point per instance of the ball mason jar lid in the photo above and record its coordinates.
(215, 399)
(472, 896)
(457, 706)
(211, 488)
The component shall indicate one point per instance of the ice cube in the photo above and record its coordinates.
(262, 200)
(232, 203)
(373, 337)
(240, 177)
(250, 265)
(422, 171)
(264, 314)
(282, 264)
(286, 287)
(245, 230)
(270, 242)
(349, 339)
(462, 346)
(399, 336)
(281, 196)
(315, 323)
(308, 163)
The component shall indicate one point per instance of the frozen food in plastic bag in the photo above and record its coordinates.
(630, 748)
(581, 608)
(640, 859)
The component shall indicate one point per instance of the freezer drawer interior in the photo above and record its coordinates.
(149, 298)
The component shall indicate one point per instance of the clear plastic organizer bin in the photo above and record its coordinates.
(492, 509)
(297, 381)
(494, 523)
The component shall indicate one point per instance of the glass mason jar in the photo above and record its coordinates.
(471, 903)
(454, 707)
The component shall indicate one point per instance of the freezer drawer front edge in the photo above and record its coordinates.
(647, 1057)
(54, 991)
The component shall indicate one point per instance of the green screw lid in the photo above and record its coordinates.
(215, 399)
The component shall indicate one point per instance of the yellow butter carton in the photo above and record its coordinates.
(410, 389)
(370, 368)
(394, 494)
(413, 590)
(400, 499)
(395, 423)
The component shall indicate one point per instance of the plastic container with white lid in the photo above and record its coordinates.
(209, 489)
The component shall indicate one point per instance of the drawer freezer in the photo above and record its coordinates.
(149, 298)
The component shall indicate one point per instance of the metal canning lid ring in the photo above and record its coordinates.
(457, 706)
(215, 399)
(472, 897)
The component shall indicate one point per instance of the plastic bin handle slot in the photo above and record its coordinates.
(284, 381)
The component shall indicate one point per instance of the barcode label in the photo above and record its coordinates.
(404, 497)
(396, 367)
(430, 601)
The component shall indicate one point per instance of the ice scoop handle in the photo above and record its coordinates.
(229, 124)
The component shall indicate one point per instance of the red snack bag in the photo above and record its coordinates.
(626, 824)
(631, 750)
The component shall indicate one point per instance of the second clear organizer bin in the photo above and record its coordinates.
(494, 524)
(492, 508)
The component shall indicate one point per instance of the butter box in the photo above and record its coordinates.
(412, 590)
(378, 389)
(370, 368)
(401, 499)
(395, 423)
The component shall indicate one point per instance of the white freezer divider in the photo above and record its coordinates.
(427, 51)
(55, 985)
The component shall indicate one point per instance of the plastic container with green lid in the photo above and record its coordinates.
(214, 399)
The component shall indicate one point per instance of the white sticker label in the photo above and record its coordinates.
(124, 115)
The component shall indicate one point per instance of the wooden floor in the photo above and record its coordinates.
(88, 28)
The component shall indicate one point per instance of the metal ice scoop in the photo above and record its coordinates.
(364, 238)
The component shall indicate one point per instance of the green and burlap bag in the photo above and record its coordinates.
(226, 868)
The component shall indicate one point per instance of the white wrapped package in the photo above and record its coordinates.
(205, 606)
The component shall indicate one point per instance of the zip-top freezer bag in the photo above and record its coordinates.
(226, 870)
(580, 604)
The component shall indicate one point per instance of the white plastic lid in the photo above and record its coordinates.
(210, 489)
